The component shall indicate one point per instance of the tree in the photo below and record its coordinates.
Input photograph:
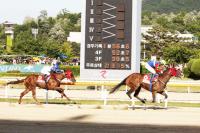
(75, 49)
(193, 69)
(2, 40)
(57, 33)
(67, 50)
(157, 39)
(177, 53)
(25, 43)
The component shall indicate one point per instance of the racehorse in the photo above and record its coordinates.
(135, 82)
(53, 83)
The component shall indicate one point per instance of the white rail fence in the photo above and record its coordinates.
(102, 93)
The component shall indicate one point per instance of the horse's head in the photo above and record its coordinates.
(176, 72)
(70, 76)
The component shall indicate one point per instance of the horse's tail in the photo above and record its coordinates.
(123, 82)
(16, 82)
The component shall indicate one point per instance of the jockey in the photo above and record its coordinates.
(55, 66)
(46, 72)
(155, 68)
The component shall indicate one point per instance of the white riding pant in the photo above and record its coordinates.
(148, 67)
(46, 70)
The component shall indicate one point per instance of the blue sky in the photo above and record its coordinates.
(16, 10)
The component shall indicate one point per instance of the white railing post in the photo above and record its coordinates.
(188, 89)
(7, 91)
(46, 96)
(104, 95)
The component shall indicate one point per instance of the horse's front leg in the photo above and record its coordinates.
(61, 91)
(154, 96)
(164, 93)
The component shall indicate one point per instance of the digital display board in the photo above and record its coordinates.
(110, 47)
(108, 34)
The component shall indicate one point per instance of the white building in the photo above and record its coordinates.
(74, 37)
(185, 37)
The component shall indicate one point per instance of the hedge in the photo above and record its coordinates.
(75, 69)
(193, 69)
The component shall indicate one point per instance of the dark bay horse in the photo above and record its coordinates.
(31, 82)
(135, 82)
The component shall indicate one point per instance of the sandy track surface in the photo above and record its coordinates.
(99, 95)
(28, 118)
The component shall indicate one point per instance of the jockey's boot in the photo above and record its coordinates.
(46, 78)
(151, 80)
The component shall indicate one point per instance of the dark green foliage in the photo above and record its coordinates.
(143, 70)
(75, 69)
(178, 53)
(193, 69)
(167, 6)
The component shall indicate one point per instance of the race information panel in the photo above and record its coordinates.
(108, 34)
(110, 46)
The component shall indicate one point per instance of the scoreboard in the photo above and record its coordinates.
(110, 48)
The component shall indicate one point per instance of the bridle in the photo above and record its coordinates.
(172, 71)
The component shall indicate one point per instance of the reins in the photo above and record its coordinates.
(162, 82)
(58, 80)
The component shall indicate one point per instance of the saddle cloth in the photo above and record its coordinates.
(41, 78)
(147, 78)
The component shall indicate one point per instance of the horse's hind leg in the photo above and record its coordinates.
(129, 93)
(137, 91)
(22, 94)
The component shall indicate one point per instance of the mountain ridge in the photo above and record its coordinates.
(167, 6)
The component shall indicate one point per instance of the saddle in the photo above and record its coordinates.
(43, 78)
(147, 78)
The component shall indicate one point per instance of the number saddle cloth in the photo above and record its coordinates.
(43, 78)
(147, 78)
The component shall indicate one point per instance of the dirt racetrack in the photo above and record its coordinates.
(28, 118)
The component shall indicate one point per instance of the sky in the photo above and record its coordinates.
(16, 10)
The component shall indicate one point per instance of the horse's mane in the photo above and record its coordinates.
(165, 71)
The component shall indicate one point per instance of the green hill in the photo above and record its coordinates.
(167, 6)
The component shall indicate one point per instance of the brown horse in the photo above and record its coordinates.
(135, 82)
(53, 83)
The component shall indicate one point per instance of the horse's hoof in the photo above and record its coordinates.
(144, 100)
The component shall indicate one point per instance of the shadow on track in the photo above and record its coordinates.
(13, 126)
